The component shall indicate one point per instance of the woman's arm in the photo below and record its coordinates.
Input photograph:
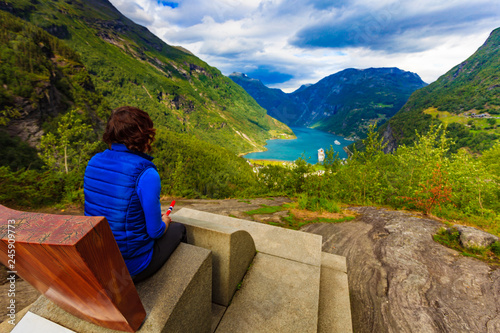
(148, 190)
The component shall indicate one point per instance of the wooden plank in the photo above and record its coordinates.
(75, 262)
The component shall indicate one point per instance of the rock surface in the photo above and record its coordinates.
(472, 237)
(400, 280)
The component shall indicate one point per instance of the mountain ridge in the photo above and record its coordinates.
(344, 103)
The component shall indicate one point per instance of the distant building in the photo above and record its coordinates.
(321, 155)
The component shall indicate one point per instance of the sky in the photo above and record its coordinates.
(287, 43)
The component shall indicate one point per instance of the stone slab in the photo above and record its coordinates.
(217, 313)
(334, 261)
(288, 244)
(232, 251)
(34, 323)
(177, 298)
(334, 302)
(277, 295)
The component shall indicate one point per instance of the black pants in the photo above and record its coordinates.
(162, 249)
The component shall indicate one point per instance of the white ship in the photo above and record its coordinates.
(321, 155)
(337, 142)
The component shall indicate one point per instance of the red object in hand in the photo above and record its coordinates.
(170, 208)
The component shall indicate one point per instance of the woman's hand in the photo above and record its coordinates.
(165, 218)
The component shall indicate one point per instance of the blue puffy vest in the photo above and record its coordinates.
(110, 190)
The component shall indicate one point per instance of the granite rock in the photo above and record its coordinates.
(472, 237)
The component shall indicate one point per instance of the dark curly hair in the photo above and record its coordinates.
(132, 127)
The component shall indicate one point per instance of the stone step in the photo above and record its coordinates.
(334, 302)
(285, 243)
(232, 251)
(276, 295)
(280, 292)
(178, 298)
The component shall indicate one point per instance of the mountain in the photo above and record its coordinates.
(128, 65)
(278, 104)
(344, 103)
(466, 99)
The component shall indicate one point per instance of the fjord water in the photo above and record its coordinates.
(308, 141)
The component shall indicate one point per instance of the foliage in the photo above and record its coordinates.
(285, 179)
(30, 188)
(72, 144)
(433, 192)
(192, 168)
(317, 203)
(40, 72)
(17, 154)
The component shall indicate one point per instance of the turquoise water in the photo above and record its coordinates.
(308, 141)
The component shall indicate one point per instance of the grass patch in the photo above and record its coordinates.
(448, 118)
(451, 238)
(317, 204)
(292, 222)
(298, 218)
(244, 201)
(265, 210)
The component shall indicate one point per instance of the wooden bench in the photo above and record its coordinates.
(74, 262)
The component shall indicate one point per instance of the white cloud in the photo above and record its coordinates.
(294, 41)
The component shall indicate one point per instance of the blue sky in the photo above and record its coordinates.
(287, 43)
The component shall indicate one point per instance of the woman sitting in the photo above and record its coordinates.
(123, 185)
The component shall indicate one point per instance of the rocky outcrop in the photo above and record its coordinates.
(388, 138)
(28, 126)
(400, 280)
(474, 238)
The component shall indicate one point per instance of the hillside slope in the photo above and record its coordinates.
(470, 87)
(130, 66)
(41, 78)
